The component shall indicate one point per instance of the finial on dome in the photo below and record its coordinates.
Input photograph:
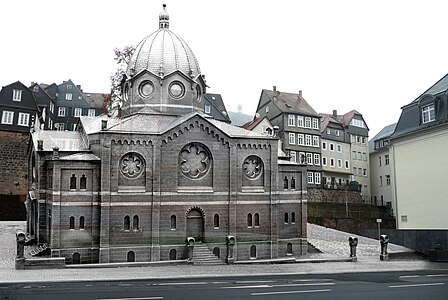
(164, 18)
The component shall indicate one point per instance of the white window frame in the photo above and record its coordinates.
(308, 140)
(307, 122)
(316, 141)
(339, 148)
(51, 107)
(386, 159)
(267, 109)
(309, 159)
(59, 126)
(300, 122)
(293, 155)
(359, 157)
(291, 120)
(300, 139)
(302, 157)
(328, 131)
(77, 112)
(324, 161)
(331, 147)
(23, 119)
(324, 145)
(91, 112)
(317, 177)
(207, 108)
(332, 162)
(387, 179)
(62, 111)
(315, 123)
(428, 113)
(17, 95)
(7, 117)
(340, 163)
(364, 172)
(347, 164)
(316, 159)
(354, 155)
(336, 132)
(68, 96)
(292, 138)
(310, 177)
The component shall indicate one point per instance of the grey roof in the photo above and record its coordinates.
(327, 119)
(216, 100)
(64, 140)
(290, 102)
(384, 133)
(80, 156)
(95, 99)
(439, 87)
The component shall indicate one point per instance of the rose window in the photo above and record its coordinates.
(132, 165)
(252, 167)
(194, 160)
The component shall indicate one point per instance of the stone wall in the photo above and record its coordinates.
(333, 196)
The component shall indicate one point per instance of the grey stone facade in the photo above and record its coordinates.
(134, 188)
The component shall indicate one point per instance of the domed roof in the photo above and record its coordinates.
(163, 52)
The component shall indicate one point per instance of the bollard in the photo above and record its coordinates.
(353, 242)
(190, 245)
(384, 240)
(230, 242)
(20, 260)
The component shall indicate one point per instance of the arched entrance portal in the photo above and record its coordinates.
(195, 224)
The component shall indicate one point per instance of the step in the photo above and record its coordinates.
(202, 255)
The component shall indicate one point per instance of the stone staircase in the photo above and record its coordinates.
(202, 255)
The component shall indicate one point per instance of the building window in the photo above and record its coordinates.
(339, 163)
(347, 164)
(83, 182)
(81, 222)
(307, 122)
(76, 258)
(285, 183)
(36, 88)
(364, 156)
(173, 254)
(315, 123)
(267, 109)
(68, 96)
(217, 252)
(293, 155)
(302, 157)
(286, 218)
(339, 148)
(127, 223)
(17, 95)
(289, 249)
(386, 159)
(331, 147)
(331, 162)
(300, 121)
(308, 140)
(291, 120)
(293, 217)
(72, 222)
(300, 139)
(91, 112)
(355, 171)
(77, 112)
(309, 158)
(7, 117)
(324, 161)
(207, 108)
(23, 119)
(293, 183)
(357, 123)
(359, 156)
(60, 126)
(404, 218)
(387, 179)
(364, 172)
(315, 141)
(253, 252)
(135, 223)
(317, 177)
(324, 145)
(379, 161)
(428, 113)
(173, 222)
(354, 155)
(61, 112)
(216, 221)
(310, 177)
(317, 159)
(292, 138)
(381, 180)
(130, 256)
(363, 140)
(336, 132)
(257, 220)
(73, 182)
(51, 107)
(69, 86)
(249, 220)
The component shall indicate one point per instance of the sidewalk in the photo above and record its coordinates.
(321, 236)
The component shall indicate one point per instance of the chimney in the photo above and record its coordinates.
(103, 124)
(276, 128)
(274, 88)
(300, 93)
(79, 87)
(40, 145)
(335, 113)
(55, 153)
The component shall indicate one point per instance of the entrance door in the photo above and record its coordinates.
(195, 225)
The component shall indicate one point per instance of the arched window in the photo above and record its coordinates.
(253, 251)
(135, 222)
(127, 223)
(286, 218)
(285, 183)
(173, 222)
(217, 252)
(216, 221)
(73, 182)
(81, 222)
(131, 256)
(293, 217)
(249, 220)
(173, 254)
(257, 220)
(83, 182)
(293, 183)
(76, 258)
(72, 222)
(289, 249)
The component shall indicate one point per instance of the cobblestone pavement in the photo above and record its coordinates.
(332, 242)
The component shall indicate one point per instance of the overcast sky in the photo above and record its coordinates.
(372, 56)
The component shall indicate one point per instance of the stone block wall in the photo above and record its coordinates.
(333, 196)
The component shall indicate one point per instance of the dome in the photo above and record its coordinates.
(162, 53)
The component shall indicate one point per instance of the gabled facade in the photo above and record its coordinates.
(418, 153)
(47, 105)
(299, 129)
(214, 106)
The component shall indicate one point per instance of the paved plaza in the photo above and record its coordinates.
(333, 243)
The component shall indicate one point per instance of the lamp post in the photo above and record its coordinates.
(379, 227)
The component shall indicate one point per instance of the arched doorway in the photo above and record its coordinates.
(76, 258)
(195, 224)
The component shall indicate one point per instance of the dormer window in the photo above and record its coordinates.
(207, 108)
(17, 95)
(428, 113)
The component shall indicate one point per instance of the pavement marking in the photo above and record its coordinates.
(180, 283)
(290, 292)
(145, 298)
(247, 287)
(254, 281)
(437, 275)
(303, 284)
(409, 276)
(312, 280)
(415, 285)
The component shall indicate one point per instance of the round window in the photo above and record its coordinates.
(176, 90)
(146, 89)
